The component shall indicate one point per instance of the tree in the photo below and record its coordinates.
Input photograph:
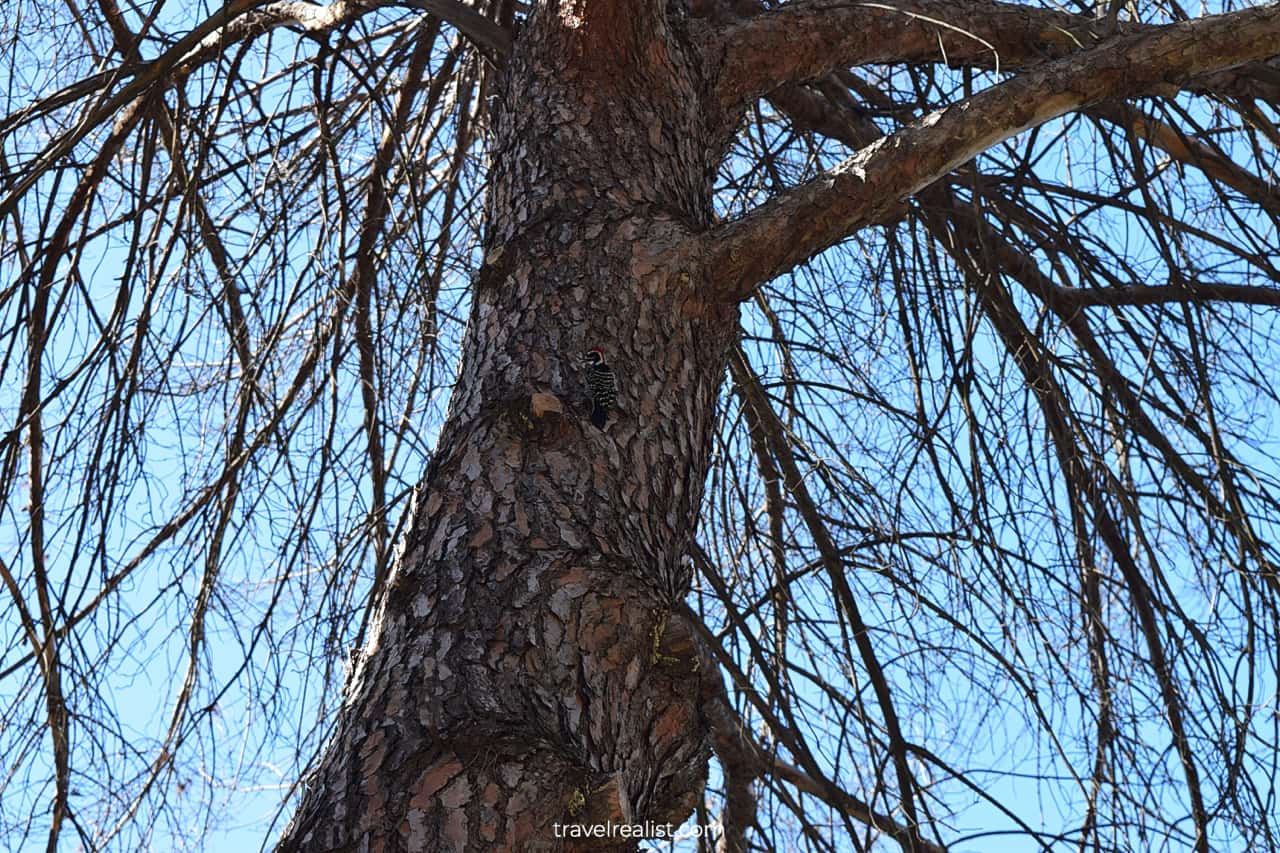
(943, 331)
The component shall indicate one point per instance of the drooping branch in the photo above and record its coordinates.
(753, 397)
(871, 184)
(208, 34)
(745, 760)
(237, 21)
(1090, 485)
(1192, 152)
(811, 111)
(980, 238)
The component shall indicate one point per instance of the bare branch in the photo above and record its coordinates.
(870, 186)
(753, 397)
(484, 33)
(804, 40)
(1164, 294)
(809, 110)
(314, 18)
(238, 20)
(747, 760)
(1190, 151)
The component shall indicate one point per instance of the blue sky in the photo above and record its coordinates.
(286, 603)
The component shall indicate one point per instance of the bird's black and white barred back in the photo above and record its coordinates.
(603, 386)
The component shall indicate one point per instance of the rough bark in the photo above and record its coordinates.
(528, 665)
(763, 49)
(525, 667)
(807, 39)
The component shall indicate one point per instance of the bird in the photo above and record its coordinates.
(602, 384)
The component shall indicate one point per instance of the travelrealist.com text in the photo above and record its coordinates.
(648, 829)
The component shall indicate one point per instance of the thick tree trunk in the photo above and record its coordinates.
(514, 678)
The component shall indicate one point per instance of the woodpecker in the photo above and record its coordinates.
(603, 386)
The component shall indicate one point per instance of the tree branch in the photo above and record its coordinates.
(491, 37)
(807, 39)
(810, 111)
(743, 758)
(869, 186)
(763, 49)
(747, 386)
(1114, 297)
(236, 21)
(1192, 152)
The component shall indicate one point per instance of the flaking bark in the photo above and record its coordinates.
(516, 677)
(520, 672)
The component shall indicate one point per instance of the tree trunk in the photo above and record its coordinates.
(525, 668)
